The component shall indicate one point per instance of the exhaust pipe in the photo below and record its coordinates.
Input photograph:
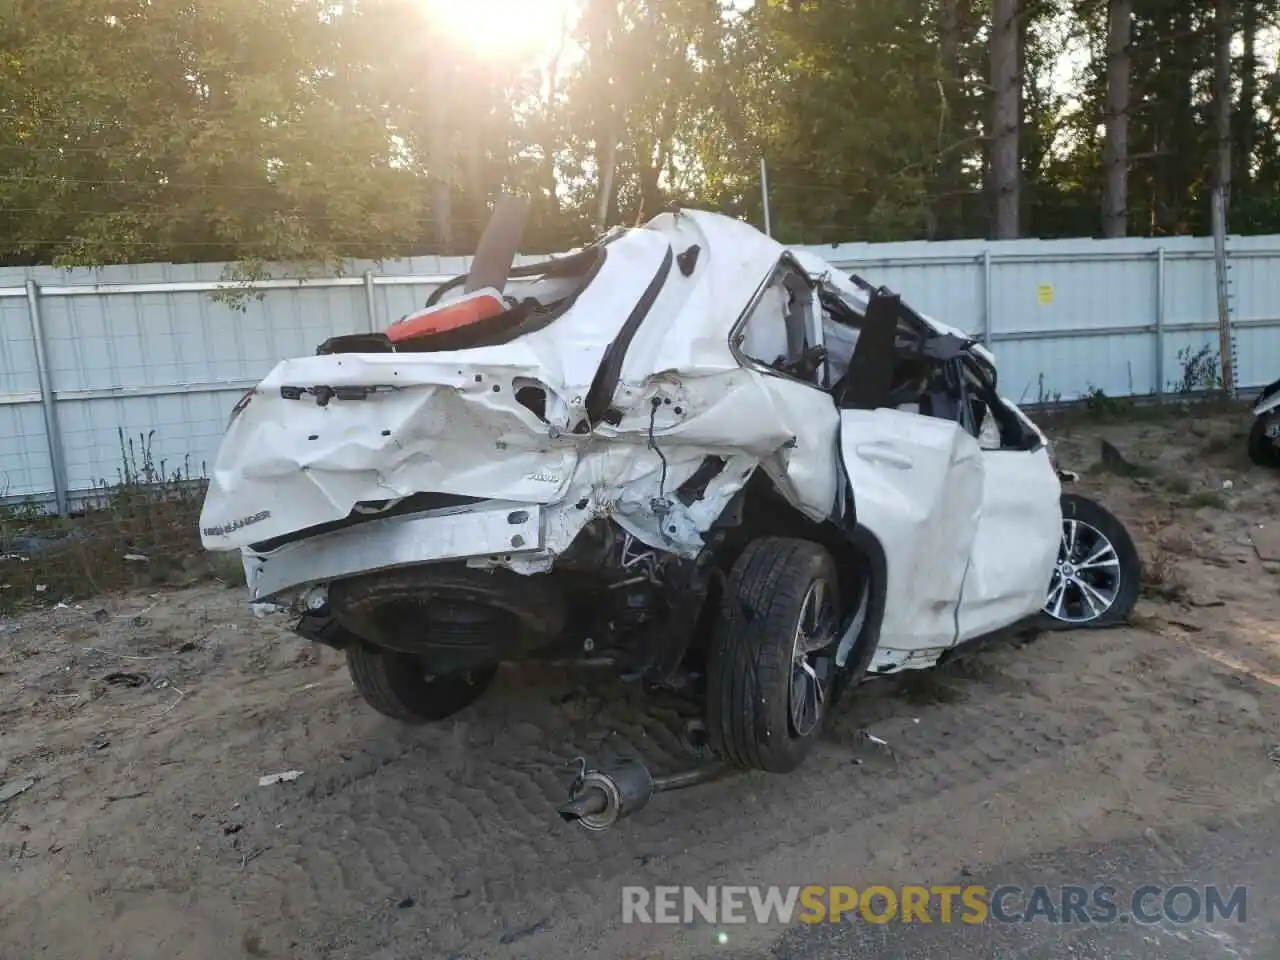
(600, 798)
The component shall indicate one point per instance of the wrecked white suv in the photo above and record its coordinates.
(684, 446)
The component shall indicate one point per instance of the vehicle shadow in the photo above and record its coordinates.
(466, 808)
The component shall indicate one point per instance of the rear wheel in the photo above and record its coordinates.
(1098, 574)
(398, 685)
(1262, 448)
(769, 672)
(452, 617)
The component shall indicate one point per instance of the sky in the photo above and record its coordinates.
(528, 29)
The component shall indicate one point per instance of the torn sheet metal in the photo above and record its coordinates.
(452, 423)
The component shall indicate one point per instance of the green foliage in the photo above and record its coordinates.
(1098, 406)
(1201, 371)
(1209, 499)
(310, 132)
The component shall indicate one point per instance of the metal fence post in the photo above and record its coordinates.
(1160, 325)
(986, 298)
(48, 405)
(370, 304)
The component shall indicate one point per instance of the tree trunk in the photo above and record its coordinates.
(1222, 26)
(647, 172)
(437, 161)
(477, 194)
(549, 131)
(1115, 153)
(1006, 97)
(651, 160)
(947, 209)
(1246, 114)
(604, 31)
(1024, 129)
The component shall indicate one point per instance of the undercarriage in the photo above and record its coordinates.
(608, 596)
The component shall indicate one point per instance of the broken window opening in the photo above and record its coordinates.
(841, 324)
(899, 362)
(1014, 434)
(780, 330)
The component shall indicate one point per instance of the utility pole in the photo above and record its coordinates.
(605, 200)
(1222, 186)
(1223, 285)
(764, 196)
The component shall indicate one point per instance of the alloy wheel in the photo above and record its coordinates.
(1086, 578)
(815, 632)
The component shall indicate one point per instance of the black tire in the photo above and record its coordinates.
(751, 663)
(1262, 449)
(397, 685)
(1090, 515)
(495, 614)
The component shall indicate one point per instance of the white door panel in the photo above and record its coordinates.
(917, 485)
(1017, 542)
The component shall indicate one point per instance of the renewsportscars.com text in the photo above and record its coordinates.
(973, 904)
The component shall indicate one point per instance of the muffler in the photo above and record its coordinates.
(600, 798)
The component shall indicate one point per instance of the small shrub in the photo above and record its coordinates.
(1160, 576)
(1207, 498)
(1201, 371)
(1098, 406)
(141, 530)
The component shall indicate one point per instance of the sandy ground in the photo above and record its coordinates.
(146, 720)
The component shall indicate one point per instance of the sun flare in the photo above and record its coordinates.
(505, 28)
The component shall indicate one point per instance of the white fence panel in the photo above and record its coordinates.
(147, 351)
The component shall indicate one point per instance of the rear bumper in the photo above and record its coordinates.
(493, 530)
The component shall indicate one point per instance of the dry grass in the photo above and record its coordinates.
(1160, 573)
(140, 531)
(1210, 499)
(1098, 409)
